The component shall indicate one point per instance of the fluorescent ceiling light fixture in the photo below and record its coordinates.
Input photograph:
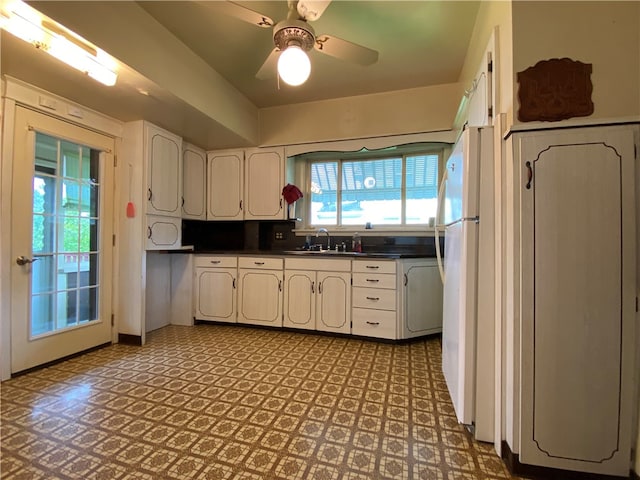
(294, 66)
(31, 26)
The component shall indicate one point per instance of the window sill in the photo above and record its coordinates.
(397, 231)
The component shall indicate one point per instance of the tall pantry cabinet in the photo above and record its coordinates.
(575, 210)
(150, 178)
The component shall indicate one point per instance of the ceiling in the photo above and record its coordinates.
(420, 43)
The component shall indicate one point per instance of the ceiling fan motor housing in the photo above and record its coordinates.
(294, 32)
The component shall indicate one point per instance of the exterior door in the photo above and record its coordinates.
(61, 228)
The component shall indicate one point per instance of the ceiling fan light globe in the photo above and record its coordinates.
(294, 66)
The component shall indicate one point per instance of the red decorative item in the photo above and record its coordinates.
(291, 193)
(554, 90)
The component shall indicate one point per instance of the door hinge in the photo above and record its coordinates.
(635, 151)
(636, 304)
(113, 319)
(113, 240)
(115, 160)
(490, 66)
(490, 112)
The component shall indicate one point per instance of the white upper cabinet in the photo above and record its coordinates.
(264, 180)
(225, 185)
(194, 183)
(163, 161)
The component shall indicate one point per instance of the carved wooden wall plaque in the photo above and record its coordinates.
(555, 89)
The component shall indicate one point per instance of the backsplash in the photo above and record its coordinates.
(275, 235)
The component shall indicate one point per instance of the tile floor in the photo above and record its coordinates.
(228, 402)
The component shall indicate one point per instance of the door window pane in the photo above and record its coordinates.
(64, 281)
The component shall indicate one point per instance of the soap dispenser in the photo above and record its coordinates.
(356, 243)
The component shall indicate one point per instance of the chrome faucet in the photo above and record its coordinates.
(324, 230)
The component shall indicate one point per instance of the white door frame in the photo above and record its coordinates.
(20, 93)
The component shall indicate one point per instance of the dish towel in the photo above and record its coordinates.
(291, 193)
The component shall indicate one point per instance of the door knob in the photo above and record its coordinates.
(22, 260)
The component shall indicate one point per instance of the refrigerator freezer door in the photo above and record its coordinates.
(459, 314)
(461, 189)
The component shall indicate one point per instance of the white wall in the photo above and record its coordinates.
(416, 110)
(603, 33)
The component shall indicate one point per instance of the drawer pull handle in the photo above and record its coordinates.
(373, 323)
(258, 263)
(374, 280)
(233, 283)
(373, 298)
(313, 288)
(215, 261)
(373, 266)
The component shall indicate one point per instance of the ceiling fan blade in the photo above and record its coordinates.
(238, 11)
(311, 10)
(336, 47)
(269, 67)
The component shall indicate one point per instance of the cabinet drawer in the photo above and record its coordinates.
(373, 323)
(374, 266)
(264, 263)
(215, 261)
(325, 264)
(377, 298)
(376, 280)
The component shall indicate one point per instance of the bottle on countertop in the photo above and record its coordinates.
(356, 243)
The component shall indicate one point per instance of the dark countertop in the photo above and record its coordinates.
(312, 254)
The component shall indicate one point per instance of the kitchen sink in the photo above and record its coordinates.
(321, 252)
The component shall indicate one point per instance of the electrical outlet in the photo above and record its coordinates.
(279, 235)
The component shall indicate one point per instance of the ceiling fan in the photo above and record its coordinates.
(294, 37)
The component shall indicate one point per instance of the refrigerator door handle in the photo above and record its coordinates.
(475, 219)
(437, 225)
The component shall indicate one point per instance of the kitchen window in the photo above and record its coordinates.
(391, 190)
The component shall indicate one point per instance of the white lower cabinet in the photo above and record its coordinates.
(374, 299)
(420, 306)
(215, 288)
(396, 299)
(317, 294)
(260, 291)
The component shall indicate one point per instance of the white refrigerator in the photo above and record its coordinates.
(466, 216)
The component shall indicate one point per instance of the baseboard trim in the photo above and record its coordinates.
(512, 461)
(127, 339)
(59, 360)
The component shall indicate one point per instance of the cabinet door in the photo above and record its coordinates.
(225, 185)
(163, 233)
(422, 299)
(264, 179)
(194, 184)
(333, 302)
(578, 298)
(164, 172)
(215, 295)
(260, 297)
(299, 299)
